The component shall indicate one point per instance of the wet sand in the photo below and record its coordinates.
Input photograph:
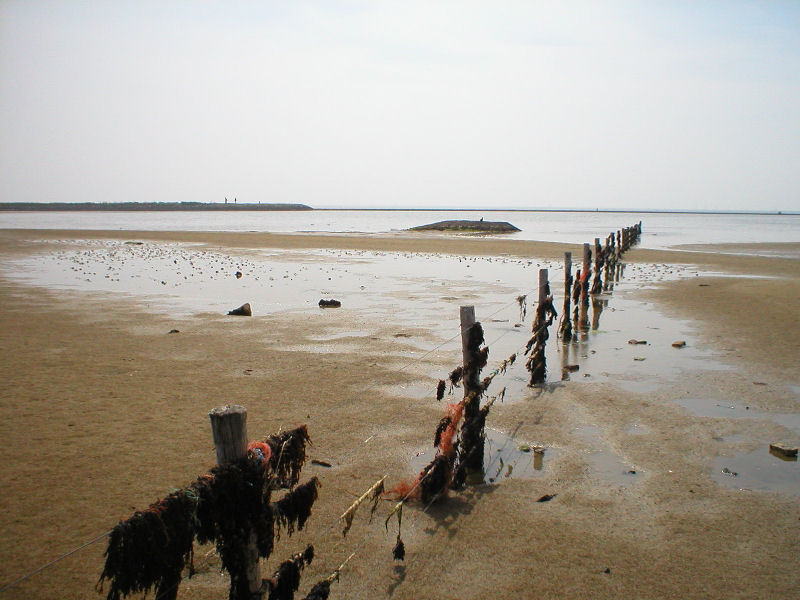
(104, 412)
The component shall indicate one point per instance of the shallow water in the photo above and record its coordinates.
(504, 457)
(660, 230)
(758, 470)
(413, 292)
(709, 407)
(602, 462)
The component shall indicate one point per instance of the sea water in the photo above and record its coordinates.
(661, 230)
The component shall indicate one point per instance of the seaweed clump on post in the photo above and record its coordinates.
(545, 313)
(230, 507)
(288, 455)
(151, 549)
(285, 581)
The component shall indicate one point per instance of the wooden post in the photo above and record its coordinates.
(586, 275)
(536, 363)
(565, 328)
(597, 285)
(229, 430)
(467, 314)
(471, 449)
(542, 285)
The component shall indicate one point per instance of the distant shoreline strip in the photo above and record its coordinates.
(230, 206)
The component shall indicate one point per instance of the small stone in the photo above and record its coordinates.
(329, 303)
(243, 311)
(635, 341)
(546, 498)
(639, 358)
(783, 450)
(238, 274)
(607, 571)
(572, 368)
(679, 344)
(173, 331)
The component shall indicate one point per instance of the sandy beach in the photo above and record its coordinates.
(104, 411)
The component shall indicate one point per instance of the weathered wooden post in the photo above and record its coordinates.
(597, 308)
(586, 274)
(597, 284)
(467, 316)
(565, 328)
(619, 246)
(472, 434)
(229, 430)
(545, 312)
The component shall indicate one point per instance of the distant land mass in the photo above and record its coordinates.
(469, 226)
(144, 206)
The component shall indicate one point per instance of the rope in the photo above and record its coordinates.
(16, 582)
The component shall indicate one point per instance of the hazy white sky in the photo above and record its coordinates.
(559, 104)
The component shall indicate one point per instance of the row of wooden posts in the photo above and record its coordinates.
(607, 267)
(229, 429)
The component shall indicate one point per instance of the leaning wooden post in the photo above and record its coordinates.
(545, 313)
(229, 430)
(565, 328)
(467, 314)
(586, 275)
(472, 435)
(597, 284)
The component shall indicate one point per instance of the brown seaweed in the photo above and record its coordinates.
(285, 581)
(294, 508)
(440, 429)
(456, 376)
(151, 549)
(320, 591)
(233, 502)
(288, 456)
(435, 479)
(440, 389)
(399, 550)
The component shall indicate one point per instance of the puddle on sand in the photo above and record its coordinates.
(719, 409)
(503, 458)
(759, 470)
(638, 429)
(603, 463)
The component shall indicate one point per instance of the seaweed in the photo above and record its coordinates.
(320, 591)
(285, 581)
(446, 433)
(230, 507)
(294, 508)
(456, 375)
(399, 550)
(151, 549)
(545, 313)
(523, 306)
(373, 493)
(440, 429)
(440, 389)
(288, 456)
(435, 479)
(233, 502)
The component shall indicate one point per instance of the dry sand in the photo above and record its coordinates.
(103, 412)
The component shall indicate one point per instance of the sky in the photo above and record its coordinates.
(604, 104)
